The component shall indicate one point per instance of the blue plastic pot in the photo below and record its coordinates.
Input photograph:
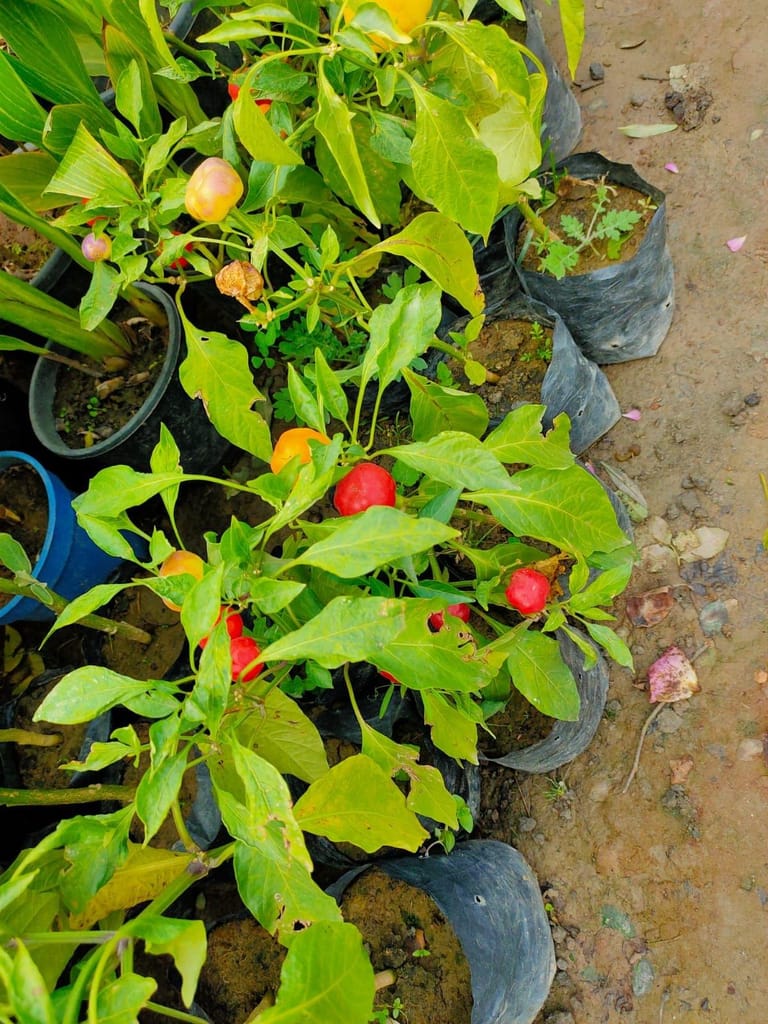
(69, 562)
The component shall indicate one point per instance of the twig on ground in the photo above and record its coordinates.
(643, 732)
(526, 805)
(662, 1004)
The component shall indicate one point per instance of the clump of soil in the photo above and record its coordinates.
(516, 726)
(22, 251)
(518, 353)
(575, 198)
(404, 931)
(90, 409)
(23, 513)
(140, 607)
(40, 767)
(242, 967)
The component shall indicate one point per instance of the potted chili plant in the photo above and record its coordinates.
(367, 583)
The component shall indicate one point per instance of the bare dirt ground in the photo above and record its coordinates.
(659, 896)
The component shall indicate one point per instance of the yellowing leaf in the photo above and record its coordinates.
(442, 250)
(510, 134)
(145, 874)
(283, 735)
(339, 988)
(453, 169)
(357, 802)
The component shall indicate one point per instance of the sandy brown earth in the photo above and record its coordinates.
(660, 896)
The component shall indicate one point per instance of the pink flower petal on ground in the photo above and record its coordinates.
(632, 414)
(734, 244)
(672, 168)
(672, 677)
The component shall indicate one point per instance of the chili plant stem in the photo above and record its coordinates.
(30, 739)
(181, 827)
(57, 604)
(166, 1011)
(455, 353)
(536, 223)
(46, 797)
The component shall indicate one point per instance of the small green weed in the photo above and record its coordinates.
(556, 788)
(543, 344)
(293, 341)
(63, 420)
(389, 1013)
(396, 282)
(559, 254)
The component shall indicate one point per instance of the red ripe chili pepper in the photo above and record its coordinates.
(243, 650)
(366, 484)
(233, 621)
(233, 88)
(528, 591)
(460, 611)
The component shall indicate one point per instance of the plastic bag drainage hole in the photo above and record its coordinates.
(480, 900)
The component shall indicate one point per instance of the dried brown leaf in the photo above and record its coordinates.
(680, 769)
(650, 608)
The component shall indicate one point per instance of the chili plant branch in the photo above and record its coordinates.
(57, 604)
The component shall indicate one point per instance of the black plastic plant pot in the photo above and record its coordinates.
(572, 384)
(15, 428)
(68, 561)
(491, 898)
(562, 114)
(562, 126)
(331, 710)
(51, 272)
(200, 445)
(566, 740)
(618, 312)
(203, 818)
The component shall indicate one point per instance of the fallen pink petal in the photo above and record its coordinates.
(632, 414)
(734, 244)
(672, 168)
(672, 677)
